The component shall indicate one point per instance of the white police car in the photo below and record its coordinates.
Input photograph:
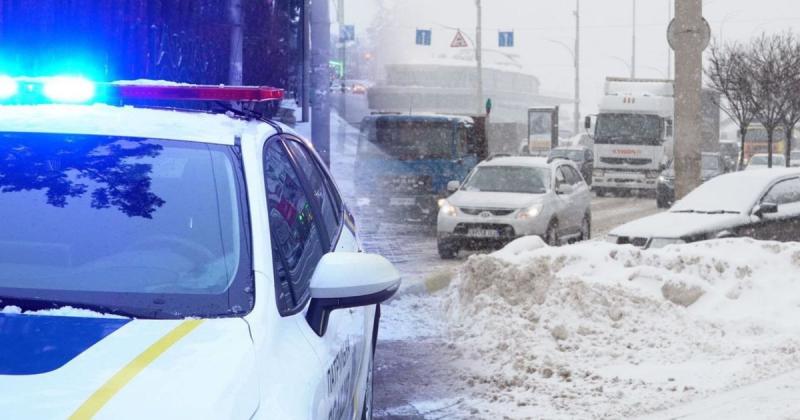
(164, 264)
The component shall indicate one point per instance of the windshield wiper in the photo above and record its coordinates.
(722, 212)
(684, 211)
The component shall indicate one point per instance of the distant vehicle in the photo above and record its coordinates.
(795, 159)
(633, 133)
(579, 140)
(756, 142)
(509, 197)
(712, 165)
(404, 162)
(759, 161)
(758, 204)
(359, 89)
(730, 154)
(582, 156)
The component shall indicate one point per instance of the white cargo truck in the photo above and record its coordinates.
(633, 133)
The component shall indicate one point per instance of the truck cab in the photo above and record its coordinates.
(633, 134)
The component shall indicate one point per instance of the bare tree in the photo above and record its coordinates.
(766, 73)
(791, 65)
(727, 74)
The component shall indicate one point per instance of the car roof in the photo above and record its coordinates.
(123, 121)
(529, 161)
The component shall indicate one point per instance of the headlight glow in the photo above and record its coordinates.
(446, 208)
(530, 212)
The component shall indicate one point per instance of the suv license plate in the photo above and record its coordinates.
(402, 201)
(483, 233)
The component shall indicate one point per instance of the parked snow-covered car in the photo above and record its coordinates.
(760, 161)
(175, 264)
(508, 197)
(756, 204)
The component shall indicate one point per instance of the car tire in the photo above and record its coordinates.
(586, 227)
(660, 203)
(600, 192)
(551, 234)
(448, 250)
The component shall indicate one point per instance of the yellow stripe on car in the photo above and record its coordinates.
(104, 394)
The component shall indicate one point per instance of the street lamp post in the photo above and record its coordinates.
(577, 98)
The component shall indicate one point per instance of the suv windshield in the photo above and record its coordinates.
(628, 129)
(141, 227)
(512, 179)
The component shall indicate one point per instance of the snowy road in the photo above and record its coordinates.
(415, 377)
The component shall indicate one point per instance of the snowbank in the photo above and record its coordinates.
(600, 330)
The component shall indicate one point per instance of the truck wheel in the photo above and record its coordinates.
(448, 250)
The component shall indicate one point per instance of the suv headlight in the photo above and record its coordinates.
(446, 208)
(530, 212)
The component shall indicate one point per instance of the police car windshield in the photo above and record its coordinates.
(146, 227)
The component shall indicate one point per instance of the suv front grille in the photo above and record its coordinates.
(494, 212)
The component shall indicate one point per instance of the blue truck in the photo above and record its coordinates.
(404, 162)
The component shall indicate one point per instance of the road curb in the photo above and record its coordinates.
(431, 284)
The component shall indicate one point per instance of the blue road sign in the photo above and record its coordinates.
(347, 33)
(506, 39)
(423, 37)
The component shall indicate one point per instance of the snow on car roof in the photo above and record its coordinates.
(121, 121)
(536, 162)
(736, 191)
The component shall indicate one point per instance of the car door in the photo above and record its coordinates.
(785, 224)
(566, 202)
(581, 197)
(307, 221)
(347, 346)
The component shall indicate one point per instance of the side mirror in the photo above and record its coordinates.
(565, 189)
(348, 280)
(453, 186)
(587, 123)
(765, 208)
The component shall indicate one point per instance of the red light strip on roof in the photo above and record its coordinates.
(195, 92)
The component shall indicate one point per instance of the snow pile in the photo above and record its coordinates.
(600, 330)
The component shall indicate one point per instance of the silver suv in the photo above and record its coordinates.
(509, 197)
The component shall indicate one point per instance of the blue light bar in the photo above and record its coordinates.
(67, 89)
(8, 87)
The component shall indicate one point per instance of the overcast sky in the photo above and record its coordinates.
(606, 32)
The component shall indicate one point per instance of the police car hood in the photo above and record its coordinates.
(60, 366)
(493, 200)
(671, 225)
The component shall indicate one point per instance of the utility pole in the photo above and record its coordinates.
(688, 41)
(577, 112)
(306, 76)
(669, 49)
(237, 43)
(478, 57)
(320, 57)
(633, 46)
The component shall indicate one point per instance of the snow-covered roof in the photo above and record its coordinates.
(737, 192)
(121, 121)
(531, 161)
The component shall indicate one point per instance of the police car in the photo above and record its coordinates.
(175, 264)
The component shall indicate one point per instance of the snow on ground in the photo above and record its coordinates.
(600, 330)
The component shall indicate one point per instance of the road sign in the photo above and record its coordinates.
(347, 33)
(459, 41)
(423, 37)
(674, 37)
(506, 39)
